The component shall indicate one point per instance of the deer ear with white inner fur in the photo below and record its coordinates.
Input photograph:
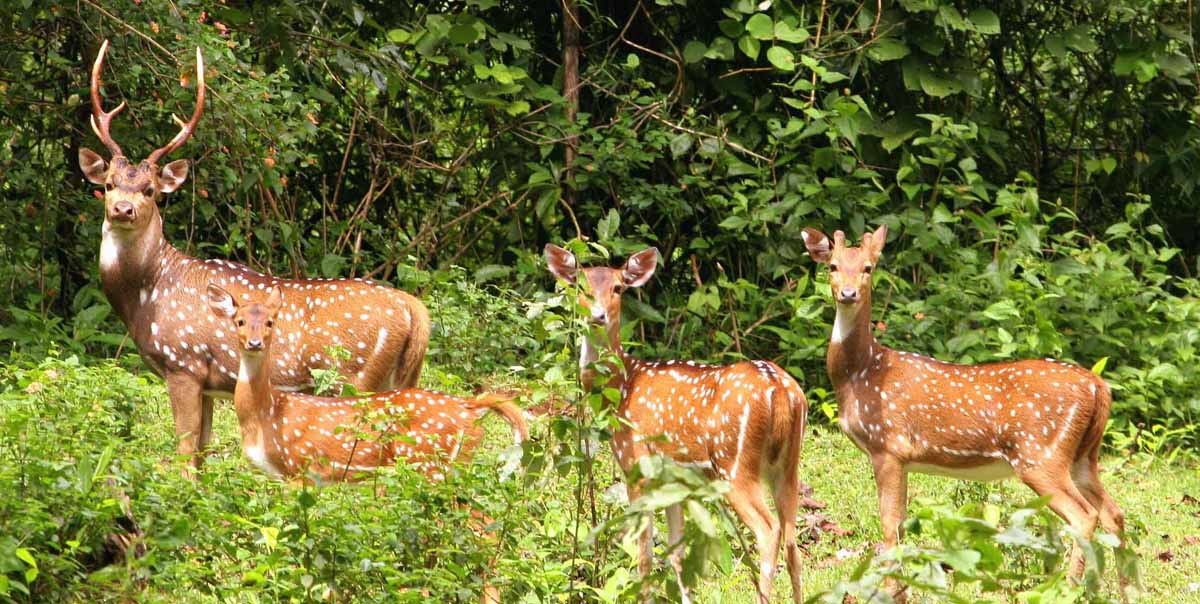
(275, 299)
(94, 167)
(878, 238)
(561, 262)
(173, 175)
(640, 267)
(221, 302)
(818, 244)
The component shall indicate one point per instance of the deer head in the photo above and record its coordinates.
(253, 323)
(603, 286)
(849, 267)
(131, 190)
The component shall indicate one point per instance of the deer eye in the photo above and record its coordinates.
(833, 268)
(108, 186)
(867, 269)
(270, 323)
(241, 322)
(148, 191)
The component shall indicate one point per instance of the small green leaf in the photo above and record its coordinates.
(985, 21)
(888, 49)
(1098, 368)
(781, 58)
(749, 46)
(694, 51)
(606, 228)
(787, 33)
(399, 36)
(760, 26)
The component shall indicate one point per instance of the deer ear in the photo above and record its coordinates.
(878, 238)
(173, 175)
(221, 302)
(561, 262)
(94, 167)
(640, 267)
(818, 244)
(275, 299)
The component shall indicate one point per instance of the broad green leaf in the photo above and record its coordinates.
(985, 21)
(721, 48)
(399, 36)
(781, 58)
(887, 49)
(749, 46)
(694, 51)
(666, 495)
(680, 144)
(1098, 368)
(606, 228)
(761, 27)
(787, 33)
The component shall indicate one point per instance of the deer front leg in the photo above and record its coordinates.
(185, 392)
(891, 480)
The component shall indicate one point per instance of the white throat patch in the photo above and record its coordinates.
(587, 353)
(843, 322)
(110, 249)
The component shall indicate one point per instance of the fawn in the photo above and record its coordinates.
(1039, 420)
(288, 433)
(743, 423)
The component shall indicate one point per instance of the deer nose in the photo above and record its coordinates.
(254, 344)
(848, 294)
(122, 210)
(599, 316)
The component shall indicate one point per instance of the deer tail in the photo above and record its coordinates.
(413, 355)
(503, 406)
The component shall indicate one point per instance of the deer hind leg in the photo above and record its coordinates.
(748, 501)
(891, 481)
(1085, 472)
(1067, 502)
(185, 392)
(676, 547)
(787, 496)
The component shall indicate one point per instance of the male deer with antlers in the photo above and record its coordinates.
(159, 293)
(1039, 420)
(743, 423)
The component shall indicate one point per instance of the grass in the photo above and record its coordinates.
(208, 538)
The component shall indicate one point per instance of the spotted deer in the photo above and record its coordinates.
(743, 423)
(1039, 420)
(333, 439)
(159, 293)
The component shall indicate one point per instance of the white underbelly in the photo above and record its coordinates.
(996, 470)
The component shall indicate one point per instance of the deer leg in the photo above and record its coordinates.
(206, 422)
(1067, 502)
(1086, 475)
(891, 480)
(645, 539)
(675, 546)
(186, 408)
(787, 498)
(747, 500)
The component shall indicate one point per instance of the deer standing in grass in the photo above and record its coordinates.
(159, 293)
(331, 439)
(1039, 420)
(743, 423)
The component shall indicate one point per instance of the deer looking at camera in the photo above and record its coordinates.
(1039, 420)
(743, 423)
(333, 439)
(159, 293)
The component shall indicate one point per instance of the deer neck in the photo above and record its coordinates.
(590, 353)
(131, 261)
(255, 403)
(852, 345)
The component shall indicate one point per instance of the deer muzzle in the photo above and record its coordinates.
(122, 211)
(847, 295)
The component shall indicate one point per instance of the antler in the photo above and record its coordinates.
(185, 129)
(101, 119)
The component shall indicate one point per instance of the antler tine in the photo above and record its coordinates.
(185, 129)
(101, 119)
